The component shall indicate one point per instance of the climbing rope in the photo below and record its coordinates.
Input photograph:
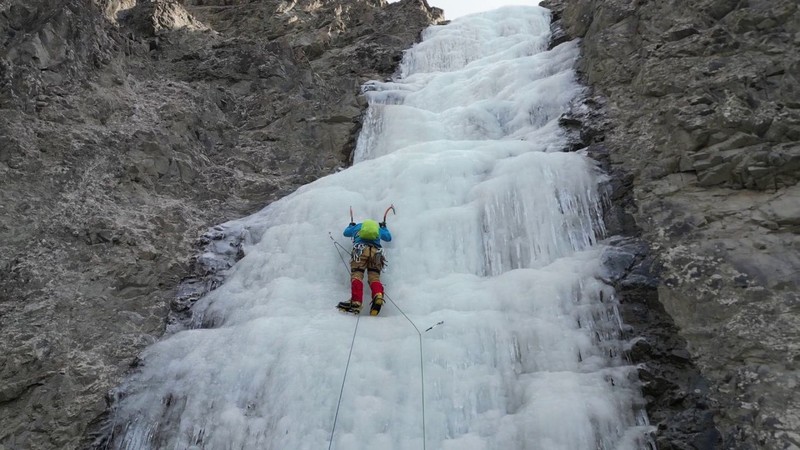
(347, 366)
(349, 355)
(344, 379)
(339, 246)
(421, 367)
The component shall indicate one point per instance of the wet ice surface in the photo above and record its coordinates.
(496, 236)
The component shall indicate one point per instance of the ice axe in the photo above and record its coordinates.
(390, 208)
(386, 213)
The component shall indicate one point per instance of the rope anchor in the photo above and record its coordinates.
(441, 322)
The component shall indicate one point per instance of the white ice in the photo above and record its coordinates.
(496, 235)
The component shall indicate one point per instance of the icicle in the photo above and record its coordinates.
(498, 237)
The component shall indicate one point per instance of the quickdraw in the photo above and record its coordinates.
(358, 249)
(379, 261)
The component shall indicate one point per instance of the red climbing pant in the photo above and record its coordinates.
(365, 259)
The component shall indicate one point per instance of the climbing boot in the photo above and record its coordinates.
(350, 307)
(377, 302)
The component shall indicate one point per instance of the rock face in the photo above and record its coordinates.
(127, 128)
(696, 108)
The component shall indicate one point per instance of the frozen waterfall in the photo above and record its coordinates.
(496, 235)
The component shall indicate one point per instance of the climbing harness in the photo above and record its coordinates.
(376, 259)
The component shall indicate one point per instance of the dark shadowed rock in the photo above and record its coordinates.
(127, 129)
(697, 112)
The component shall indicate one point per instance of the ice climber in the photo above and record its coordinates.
(367, 256)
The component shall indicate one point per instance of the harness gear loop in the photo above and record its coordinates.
(375, 260)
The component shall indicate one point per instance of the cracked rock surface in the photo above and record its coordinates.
(697, 107)
(127, 129)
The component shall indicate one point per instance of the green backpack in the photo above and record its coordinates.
(369, 230)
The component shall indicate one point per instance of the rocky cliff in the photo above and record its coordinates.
(696, 112)
(127, 128)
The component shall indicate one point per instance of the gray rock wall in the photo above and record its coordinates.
(126, 130)
(697, 106)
